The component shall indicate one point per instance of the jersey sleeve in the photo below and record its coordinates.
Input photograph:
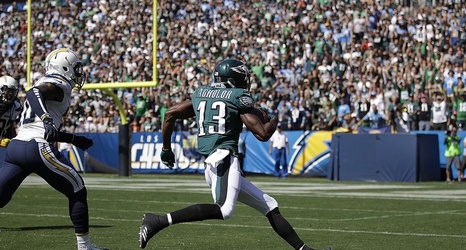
(245, 100)
(18, 109)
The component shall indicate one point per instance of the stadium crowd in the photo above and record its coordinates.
(319, 65)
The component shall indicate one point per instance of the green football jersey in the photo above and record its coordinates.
(461, 110)
(217, 117)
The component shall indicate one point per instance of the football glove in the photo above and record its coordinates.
(270, 115)
(168, 158)
(51, 132)
(4, 142)
(82, 142)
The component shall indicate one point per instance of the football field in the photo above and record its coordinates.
(343, 215)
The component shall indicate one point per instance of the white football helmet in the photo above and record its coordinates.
(9, 88)
(64, 62)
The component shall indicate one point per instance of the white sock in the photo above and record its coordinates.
(83, 239)
(169, 217)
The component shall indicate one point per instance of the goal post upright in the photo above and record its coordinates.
(124, 147)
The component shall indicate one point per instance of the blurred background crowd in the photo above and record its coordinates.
(319, 65)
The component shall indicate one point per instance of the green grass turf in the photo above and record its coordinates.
(344, 215)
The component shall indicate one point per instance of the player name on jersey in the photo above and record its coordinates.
(214, 93)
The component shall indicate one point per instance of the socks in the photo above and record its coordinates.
(198, 212)
(304, 247)
(285, 230)
(83, 239)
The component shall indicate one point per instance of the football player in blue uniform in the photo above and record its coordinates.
(10, 109)
(33, 149)
(220, 111)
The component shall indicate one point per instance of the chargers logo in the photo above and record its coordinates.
(145, 152)
(312, 154)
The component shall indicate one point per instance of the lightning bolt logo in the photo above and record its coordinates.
(311, 149)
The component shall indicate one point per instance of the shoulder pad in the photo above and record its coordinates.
(246, 100)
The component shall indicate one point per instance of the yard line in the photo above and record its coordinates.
(395, 213)
(436, 193)
(238, 204)
(258, 227)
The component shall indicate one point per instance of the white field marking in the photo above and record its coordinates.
(395, 213)
(65, 216)
(155, 182)
(150, 183)
(417, 192)
(239, 204)
(259, 227)
(407, 194)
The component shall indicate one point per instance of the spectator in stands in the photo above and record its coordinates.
(343, 109)
(297, 119)
(376, 49)
(375, 118)
(89, 125)
(412, 108)
(349, 123)
(460, 110)
(402, 123)
(326, 119)
(439, 113)
(424, 114)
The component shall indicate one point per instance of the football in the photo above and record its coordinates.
(262, 115)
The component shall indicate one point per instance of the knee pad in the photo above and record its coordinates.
(227, 210)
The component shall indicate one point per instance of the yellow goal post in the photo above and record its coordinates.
(103, 86)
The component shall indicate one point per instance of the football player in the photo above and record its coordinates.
(220, 111)
(10, 109)
(33, 149)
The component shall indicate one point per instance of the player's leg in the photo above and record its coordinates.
(268, 206)
(59, 173)
(224, 181)
(277, 157)
(457, 162)
(11, 175)
(449, 161)
(284, 164)
(463, 167)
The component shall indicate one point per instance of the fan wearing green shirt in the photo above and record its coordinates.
(452, 153)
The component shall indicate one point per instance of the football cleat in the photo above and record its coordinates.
(90, 247)
(151, 225)
(305, 247)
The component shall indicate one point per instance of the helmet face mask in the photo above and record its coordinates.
(232, 73)
(9, 89)
(64, 62)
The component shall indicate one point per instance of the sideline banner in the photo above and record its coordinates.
(309, 152)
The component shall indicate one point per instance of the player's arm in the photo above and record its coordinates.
(36, 97)
(262, 131)
(183, 110)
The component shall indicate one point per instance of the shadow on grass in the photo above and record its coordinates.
(46, 228)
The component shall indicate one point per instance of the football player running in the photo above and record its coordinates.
(34, 150)
(220, 111)
(10, 109)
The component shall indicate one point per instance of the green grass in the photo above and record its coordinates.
(344, 215)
